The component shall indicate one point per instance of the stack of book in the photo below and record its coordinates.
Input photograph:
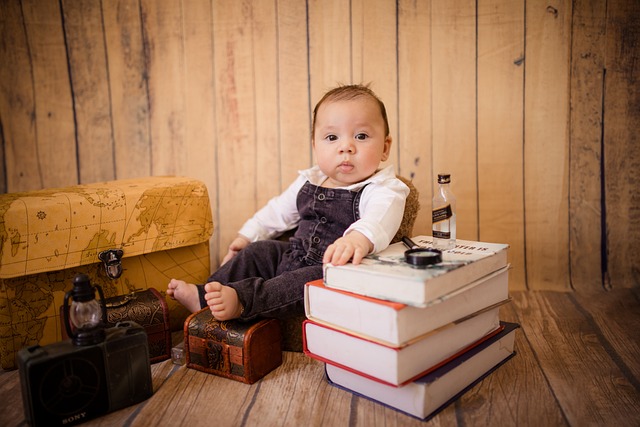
(412, 339)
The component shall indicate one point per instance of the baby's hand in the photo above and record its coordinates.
(354, 245)
(238, 244)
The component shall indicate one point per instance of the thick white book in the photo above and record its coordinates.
(433, 392)
(386, 275)
(396, 324)
(391, 365)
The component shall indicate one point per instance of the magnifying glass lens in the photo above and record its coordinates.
(423, 257)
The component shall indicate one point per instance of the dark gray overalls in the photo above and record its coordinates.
(269, 275)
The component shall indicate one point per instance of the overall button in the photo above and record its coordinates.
(316, 239)
(323, 220)
(320, 196)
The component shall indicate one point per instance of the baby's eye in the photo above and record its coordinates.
(361, 136)
(331, 137)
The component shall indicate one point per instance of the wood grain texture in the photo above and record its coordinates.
(585, 161)
(200, 139)
(493, 402)
(538, 405)
(500, 130)
(84, 35)
(264, 30)
(453, 106)
(186, 396)
(546, 145)
(12, 413)
(575, 357)
(609, 312)
(235, 117)
(3, 171)
(294, 103)
(622, 144)
(163, 32)
(374, 37)
(329, 46)
(575, 364)
(128, 87)
(542, 147)
(53, 118)
(414, 94)
(17, 103)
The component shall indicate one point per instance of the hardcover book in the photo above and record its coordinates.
(386, 275)
(395, 324)
(434, 391)
(391, 365)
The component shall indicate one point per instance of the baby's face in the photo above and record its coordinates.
(350, 140)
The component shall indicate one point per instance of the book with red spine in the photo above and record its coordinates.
(396, 324)
(391, 365)
(439, 387)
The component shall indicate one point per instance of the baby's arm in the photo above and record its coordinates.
(381, 211)
(352, 245)
(238, 244)
(278, 215)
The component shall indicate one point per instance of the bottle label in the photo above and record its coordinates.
(441, 234)
(441, 214)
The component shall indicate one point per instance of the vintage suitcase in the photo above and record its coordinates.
(242, 351)
(148, 309)
(151, 229)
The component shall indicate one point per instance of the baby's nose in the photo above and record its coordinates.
(347, 147)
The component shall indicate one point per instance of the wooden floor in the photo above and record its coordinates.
(577, 364)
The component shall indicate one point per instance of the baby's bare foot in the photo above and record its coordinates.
(185, 293)
(222, 301)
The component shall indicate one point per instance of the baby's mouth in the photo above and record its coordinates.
(345, 166)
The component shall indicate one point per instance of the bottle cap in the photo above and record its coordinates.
(444, 178)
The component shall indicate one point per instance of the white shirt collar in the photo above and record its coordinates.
(315, 176)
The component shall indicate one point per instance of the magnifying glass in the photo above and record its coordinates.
(420, 257)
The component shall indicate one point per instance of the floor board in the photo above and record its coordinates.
(582, 373)
(577, 363)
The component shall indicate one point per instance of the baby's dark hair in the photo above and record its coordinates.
(347, 93)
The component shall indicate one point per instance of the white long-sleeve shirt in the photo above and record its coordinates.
(381, 208)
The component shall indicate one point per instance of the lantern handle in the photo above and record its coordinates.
(103, 306)
(67, 322)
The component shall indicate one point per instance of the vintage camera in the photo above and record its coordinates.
(97, 371)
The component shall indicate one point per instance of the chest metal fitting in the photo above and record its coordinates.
(112, 260)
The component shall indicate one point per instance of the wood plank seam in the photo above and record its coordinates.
(606, 344)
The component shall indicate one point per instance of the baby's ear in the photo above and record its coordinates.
(387, 148)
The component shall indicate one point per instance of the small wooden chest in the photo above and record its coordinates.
(242, 351)
(151, 229)
(148, 309)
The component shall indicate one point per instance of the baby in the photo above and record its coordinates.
(344, 208)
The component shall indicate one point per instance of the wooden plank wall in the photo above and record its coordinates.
(533, 107)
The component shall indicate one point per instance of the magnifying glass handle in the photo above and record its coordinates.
(409, 243)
